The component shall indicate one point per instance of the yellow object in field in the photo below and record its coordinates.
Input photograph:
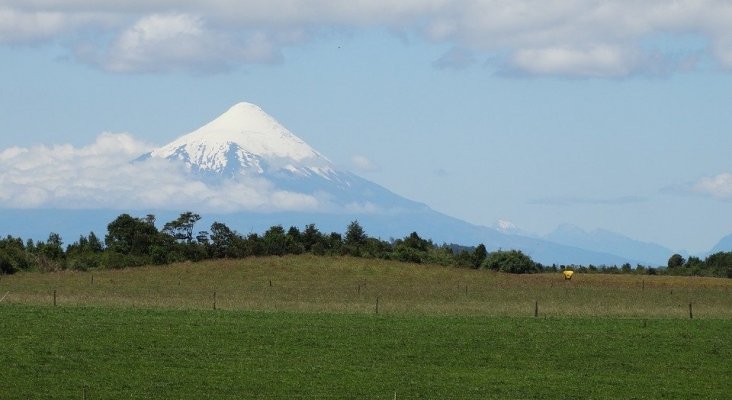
(568, 275)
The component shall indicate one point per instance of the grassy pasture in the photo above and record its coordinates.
(350, 285)
(115, 353)
(152, 333)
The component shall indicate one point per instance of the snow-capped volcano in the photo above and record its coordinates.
(245, 141)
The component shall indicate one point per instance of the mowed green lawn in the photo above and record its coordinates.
(314, 333)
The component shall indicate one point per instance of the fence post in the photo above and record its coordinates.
(54, 297)
(536, 308)
(214, 300)
(691, 315)
(377, 305)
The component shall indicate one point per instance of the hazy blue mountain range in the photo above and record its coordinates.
(604, 241)
(245, 145)
(724, 244)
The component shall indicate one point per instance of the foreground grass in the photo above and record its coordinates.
(351, 285)
(55, 352)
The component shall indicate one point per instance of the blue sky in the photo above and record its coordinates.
(612, 115)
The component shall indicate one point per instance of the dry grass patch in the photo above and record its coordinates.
(352, 285)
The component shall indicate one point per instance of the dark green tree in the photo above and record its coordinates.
(182, 228)
(7, 267)
(417, 243)
(693, 262)
(13, 256)
(335, 242)
(275, 241)
(132, 236)
(311, 236)
(84, 253)
(53, 249)
(676, 261)
(94, 244)
(223, 241)
(411, 249)
(355, 235)
(463, 258)
(512, 261)
(294, 241)
(253, 246)
(479, 255)
(718, 264)
(354, 241)
(376, 248)
(626, 268)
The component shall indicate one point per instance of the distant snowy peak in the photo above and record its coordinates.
(509, 228)
(504, 226)
(245, 140)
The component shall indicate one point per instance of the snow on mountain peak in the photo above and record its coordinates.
(504, 225)
(509, 228)
(245, 139)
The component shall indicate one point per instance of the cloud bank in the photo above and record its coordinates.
(102, 176)
(589, 38)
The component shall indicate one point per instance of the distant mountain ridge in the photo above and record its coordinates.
(724, 244)
(605, 241)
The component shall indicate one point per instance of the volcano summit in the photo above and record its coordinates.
(246, 143)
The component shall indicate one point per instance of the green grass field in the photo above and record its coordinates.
(152, 333)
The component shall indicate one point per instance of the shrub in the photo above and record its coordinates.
(513, 261)
(6, 265)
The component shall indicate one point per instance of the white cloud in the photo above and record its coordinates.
(293, 201)
(363, 164)
(363, 208)
(17, 26)
(719, 186)
(170, 42)
(597, 61)
(102, 175)
(569, 37)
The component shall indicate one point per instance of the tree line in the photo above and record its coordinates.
(132, 241)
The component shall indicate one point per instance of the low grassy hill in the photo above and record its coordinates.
(353, 285)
